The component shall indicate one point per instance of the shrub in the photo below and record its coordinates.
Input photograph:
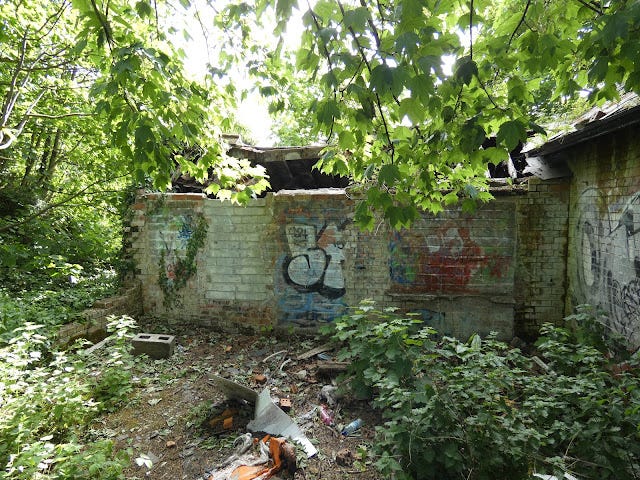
(51, 307)
(482, 410)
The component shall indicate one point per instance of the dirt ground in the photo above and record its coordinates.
(173, 424)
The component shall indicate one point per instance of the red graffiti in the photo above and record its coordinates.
(447, 261)
(450, 267)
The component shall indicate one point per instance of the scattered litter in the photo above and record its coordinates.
(231, 416)
(187, 452)
(301, 374)
(98, 345)
(352, 427)
(274, 455)
(285, 404)
(260, 378)
(314, 351)
(273, 355)
(284, 363)
(324, 356)
(170, 444)
(345, 457)
(147, 460)
(329, 368)
(326, 415)
(305, 417)
(268, 417)
(543, 366)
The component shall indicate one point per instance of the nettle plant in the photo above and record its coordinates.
(483, 410)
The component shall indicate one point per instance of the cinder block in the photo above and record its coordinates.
(153, 344)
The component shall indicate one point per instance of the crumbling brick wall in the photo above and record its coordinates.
(296, 259)
(604, 229)
(95, 319)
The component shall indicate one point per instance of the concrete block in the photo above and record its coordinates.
(153, 344)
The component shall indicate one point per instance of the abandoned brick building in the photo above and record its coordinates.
(568, 233)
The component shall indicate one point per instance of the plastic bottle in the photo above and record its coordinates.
(326, 415)
(352, 427)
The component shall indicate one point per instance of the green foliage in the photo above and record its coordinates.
(48, 398)
(93, 94)
(482, 410)
(52, 305)
(420, 85)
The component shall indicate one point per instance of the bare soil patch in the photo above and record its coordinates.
(173, 418)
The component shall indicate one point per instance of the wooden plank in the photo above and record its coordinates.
(315, 351)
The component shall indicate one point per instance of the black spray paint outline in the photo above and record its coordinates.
(318, 286)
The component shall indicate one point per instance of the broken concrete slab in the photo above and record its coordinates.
(233, 390)
(268, 417)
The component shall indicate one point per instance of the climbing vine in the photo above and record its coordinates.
(174, 275)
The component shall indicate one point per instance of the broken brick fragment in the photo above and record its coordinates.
(285, 404)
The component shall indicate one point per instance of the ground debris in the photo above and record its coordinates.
(190, 394)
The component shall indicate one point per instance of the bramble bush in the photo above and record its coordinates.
(483, 410)
(48, 399)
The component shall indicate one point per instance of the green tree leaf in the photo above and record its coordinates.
(511, 133)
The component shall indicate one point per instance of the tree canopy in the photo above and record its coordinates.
(412, 89)
(406, 93)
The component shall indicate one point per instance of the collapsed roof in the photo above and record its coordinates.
(291, 168)
(549, 160)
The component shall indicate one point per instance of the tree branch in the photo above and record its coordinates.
(62, 115)
(328, 57)
(324, 45)
(378, 101)
(372, 26)
(471, 29)
(522, 20)
(104, 23)
(591, 6)
(11, 97)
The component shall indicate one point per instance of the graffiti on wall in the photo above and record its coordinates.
(608, 257)
(312, 272)
(315, 261)
(445, 258)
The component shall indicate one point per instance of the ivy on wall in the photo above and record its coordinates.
(174, 273)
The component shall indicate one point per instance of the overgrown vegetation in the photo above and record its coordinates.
(51, 305)
(483, 410)
(48, 398)
(49, 395)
